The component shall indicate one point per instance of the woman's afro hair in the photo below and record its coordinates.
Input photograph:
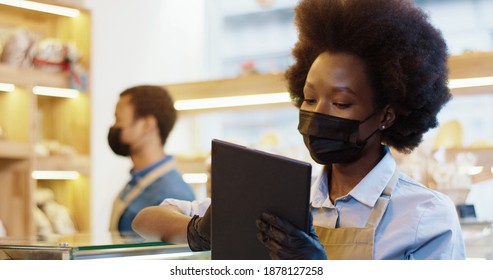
(405, 57)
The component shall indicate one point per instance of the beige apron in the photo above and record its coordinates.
(120, 205)
(356, 243)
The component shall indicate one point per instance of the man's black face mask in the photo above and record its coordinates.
(116, 145)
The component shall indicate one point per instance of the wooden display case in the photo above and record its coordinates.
(27, 120)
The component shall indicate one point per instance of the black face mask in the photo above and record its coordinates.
(331, 139)
(115, 142)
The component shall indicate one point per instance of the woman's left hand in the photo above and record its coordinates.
(286, 242)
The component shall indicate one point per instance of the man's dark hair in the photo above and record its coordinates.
(154, 101)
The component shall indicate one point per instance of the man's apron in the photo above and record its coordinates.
(120, 205)
(356, 243)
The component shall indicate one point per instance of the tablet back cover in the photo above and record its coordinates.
(245, 183)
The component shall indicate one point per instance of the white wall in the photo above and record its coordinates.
(467, 25)
(135, 42)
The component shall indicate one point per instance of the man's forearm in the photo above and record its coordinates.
(165, 223)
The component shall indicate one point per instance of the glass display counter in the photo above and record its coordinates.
(478, 238)
(86, 246)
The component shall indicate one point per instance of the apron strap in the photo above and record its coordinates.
(381, 205)
(120, 205)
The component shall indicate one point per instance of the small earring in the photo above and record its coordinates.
(383, 126)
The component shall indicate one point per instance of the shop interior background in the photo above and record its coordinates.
(167, 42)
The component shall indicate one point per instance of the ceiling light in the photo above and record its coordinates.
(470, 82)
(56, 92)
(41, 7)
(7, 87)
(54, 175)
(232, 101)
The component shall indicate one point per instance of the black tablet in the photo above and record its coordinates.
(245, 183)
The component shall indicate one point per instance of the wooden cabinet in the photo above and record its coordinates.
(43, 133)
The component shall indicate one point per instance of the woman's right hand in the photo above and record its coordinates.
(286, 242)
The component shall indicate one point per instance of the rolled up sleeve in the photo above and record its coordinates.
(190, 208)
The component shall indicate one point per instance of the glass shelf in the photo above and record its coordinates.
(86, 246)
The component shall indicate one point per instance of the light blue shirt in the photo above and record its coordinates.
(419, 223)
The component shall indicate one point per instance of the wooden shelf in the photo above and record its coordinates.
(14, 150)
(79, 163)
(471, 65)
(245, 85)
(27, 118)
(191, 164)
(29, 77)
(468, 65)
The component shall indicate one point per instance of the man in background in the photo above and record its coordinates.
(144, 117)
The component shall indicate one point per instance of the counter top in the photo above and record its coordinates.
(478, 238)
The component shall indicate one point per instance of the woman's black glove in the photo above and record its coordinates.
(199, 232)
(286, 242)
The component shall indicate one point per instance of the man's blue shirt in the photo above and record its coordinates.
(170, 185)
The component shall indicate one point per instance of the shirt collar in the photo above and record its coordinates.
(371, 187)
(136, 175)
(367, 191)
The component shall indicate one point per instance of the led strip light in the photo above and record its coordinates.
(232, 101)
(283, 97)
(54, 175)
(470, 82)
(41, 7)
(195, 178)
(56, 92)
(7, 87)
